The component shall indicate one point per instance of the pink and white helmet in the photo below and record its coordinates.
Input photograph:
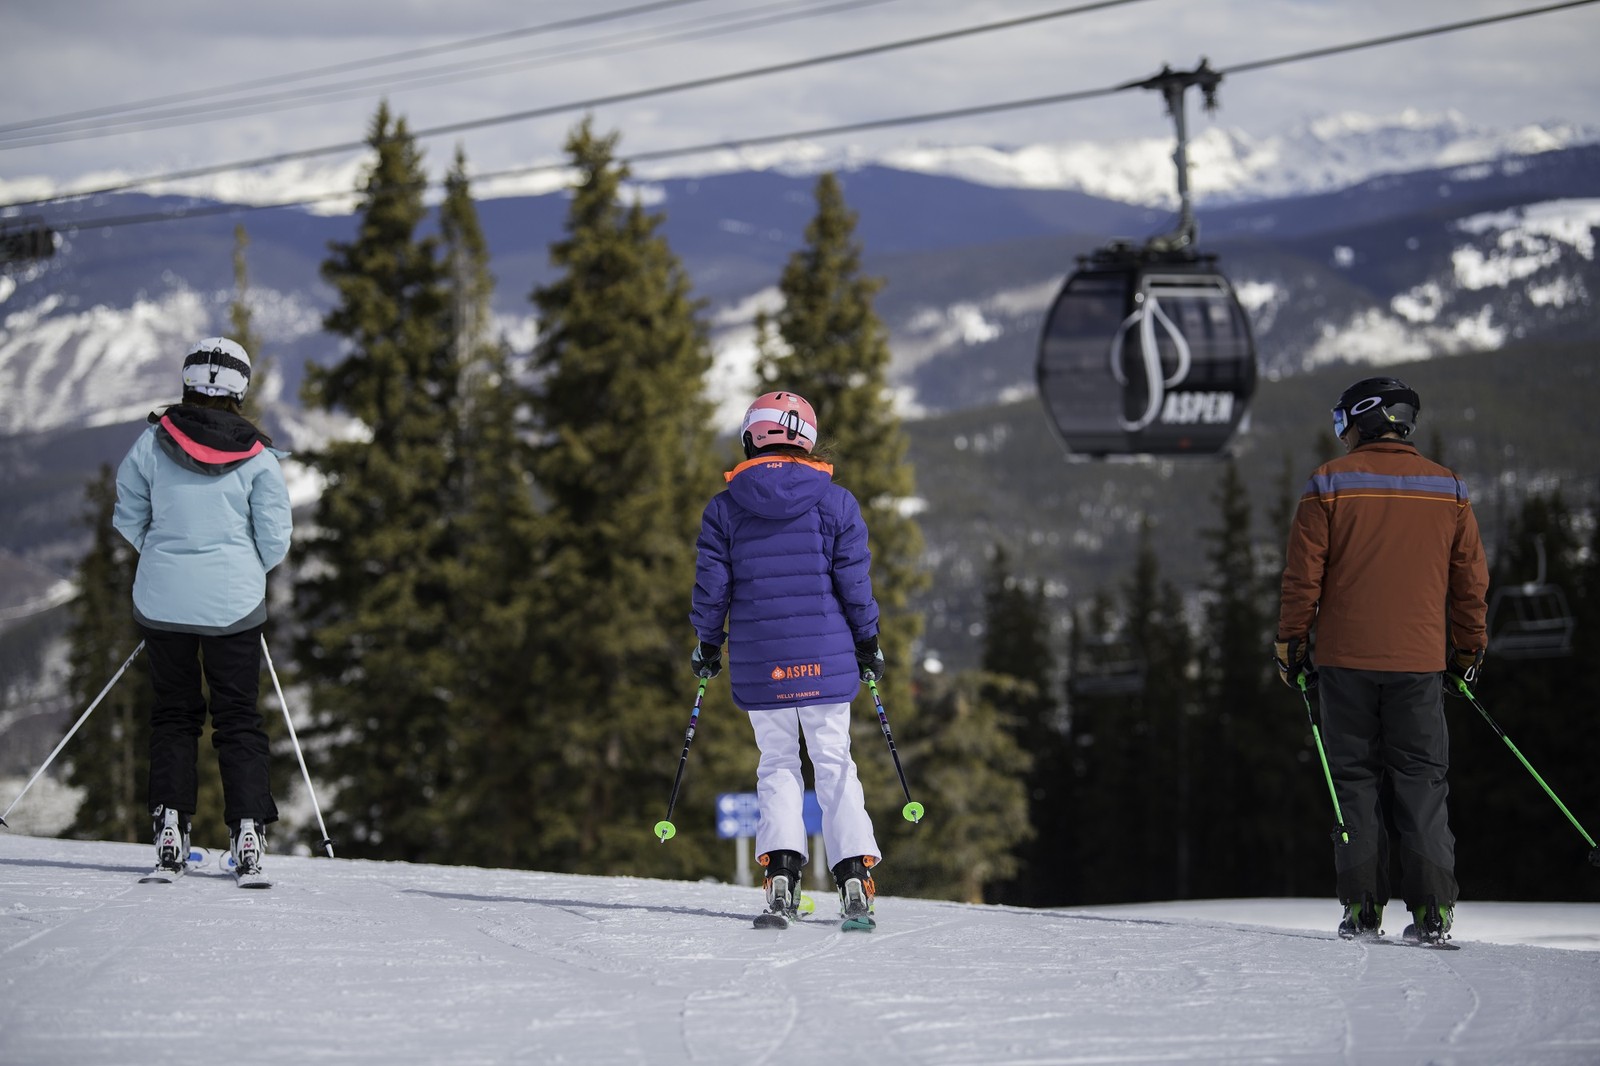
(779, 418)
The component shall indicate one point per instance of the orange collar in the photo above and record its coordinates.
(761, 460)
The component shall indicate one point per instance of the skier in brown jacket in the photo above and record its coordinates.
(1385, 563)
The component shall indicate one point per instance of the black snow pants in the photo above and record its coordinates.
(1379, 725)
(231, 667)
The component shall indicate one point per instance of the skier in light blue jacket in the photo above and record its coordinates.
(201, 497)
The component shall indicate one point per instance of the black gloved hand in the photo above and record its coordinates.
(1463, 666)
(869, 657)
(1293, 659)
(706, 660)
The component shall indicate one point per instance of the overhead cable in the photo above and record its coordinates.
(348, 65)
(853, 127)
(463, 70)
(584, 105)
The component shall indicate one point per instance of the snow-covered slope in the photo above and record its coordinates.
(349, 961)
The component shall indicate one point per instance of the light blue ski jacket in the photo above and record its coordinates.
(202, 499)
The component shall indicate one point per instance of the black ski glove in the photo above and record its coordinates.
(706, 660)
(1462, 666)
(1293, 658)
(869, 657)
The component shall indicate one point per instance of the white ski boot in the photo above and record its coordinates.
(172, 846)
(248, 850)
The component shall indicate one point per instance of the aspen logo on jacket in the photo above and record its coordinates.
(789, 673)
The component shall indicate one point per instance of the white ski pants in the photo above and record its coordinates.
(846, 827)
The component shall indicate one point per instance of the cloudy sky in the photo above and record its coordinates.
(95, 58)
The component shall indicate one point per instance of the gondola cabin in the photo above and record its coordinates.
(1145, 353)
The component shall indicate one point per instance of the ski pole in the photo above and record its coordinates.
(1460, 683)
(1341, 832)
(81, 719)
(664, 828)
(327, 842)
(912, 811)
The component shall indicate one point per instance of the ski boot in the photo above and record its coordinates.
(1363, 920)
(249, 847)
(856, 892)
(1430, 924)
(171, 828)
(782, 885)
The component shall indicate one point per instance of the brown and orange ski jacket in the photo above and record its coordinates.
(1384, 561)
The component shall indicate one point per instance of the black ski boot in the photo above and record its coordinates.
(171, 829)
(1430, 923)
(782, 885)
(856, 892)
(1363, 920)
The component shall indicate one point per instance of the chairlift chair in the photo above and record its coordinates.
(25, 238)
(1107, 666)
(1530, 620)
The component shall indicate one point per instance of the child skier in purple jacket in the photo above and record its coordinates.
(783, 561)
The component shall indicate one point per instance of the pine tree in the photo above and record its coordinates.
(625, 462)
(109, 757)
(971, 777)
(496, 720)
(374, 594)
(1253, 798)
(1511, 840)
(241, 330)
(1104, 836)
(1164, 705)
(1020, 683)
(827, 344)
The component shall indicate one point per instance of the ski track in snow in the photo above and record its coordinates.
(348, 961)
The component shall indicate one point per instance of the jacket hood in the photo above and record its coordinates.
(206, 440)
(779, 486)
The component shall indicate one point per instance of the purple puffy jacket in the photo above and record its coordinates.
(783, 560)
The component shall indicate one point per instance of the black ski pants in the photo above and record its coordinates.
(231, 668)
(1380, 727)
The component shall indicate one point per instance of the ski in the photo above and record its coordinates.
(256, 880)
(1402, 942)
(165, 875)
(1432, 945)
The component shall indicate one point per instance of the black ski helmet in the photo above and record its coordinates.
(1375, 406)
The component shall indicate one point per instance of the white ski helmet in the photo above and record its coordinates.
(217, 366)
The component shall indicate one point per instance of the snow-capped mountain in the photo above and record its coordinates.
(1348, 238)
(1230, 166)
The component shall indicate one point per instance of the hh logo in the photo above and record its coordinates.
(789, 673)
